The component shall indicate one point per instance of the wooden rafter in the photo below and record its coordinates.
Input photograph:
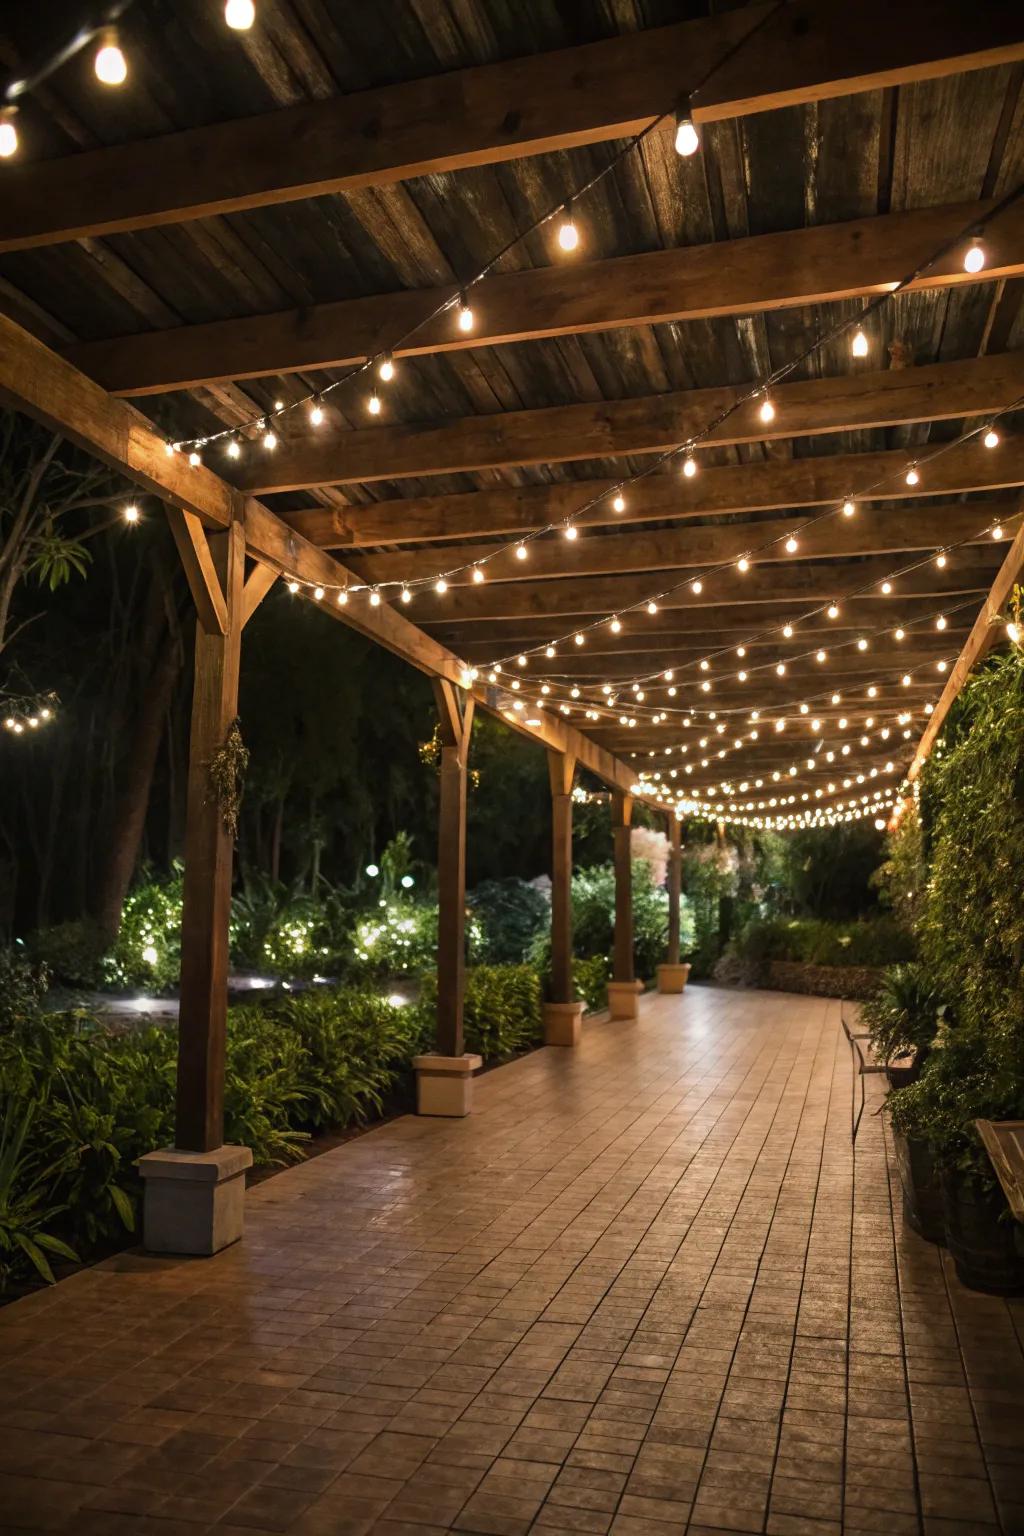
(744, 276)
(813, 481)
(870, 532)
(811, 51)
(607, 428)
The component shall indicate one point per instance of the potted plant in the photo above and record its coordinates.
(962, 1082)
(902, 1017)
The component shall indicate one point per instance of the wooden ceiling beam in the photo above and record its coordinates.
(491, 113)
(872, 531)
(35, 380)
(883, 656)
(745, 276)
(509, 510)
(968, 570)
(650, 424)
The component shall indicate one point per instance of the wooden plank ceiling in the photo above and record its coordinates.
(693, 279)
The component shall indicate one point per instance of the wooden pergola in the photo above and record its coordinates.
(235, 248)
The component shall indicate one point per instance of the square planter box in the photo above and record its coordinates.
(562, 1023)
(623, 998)
(444, 1084)
(194, 1201)
(673, 978)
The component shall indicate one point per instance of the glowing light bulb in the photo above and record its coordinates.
(619, 503)
(652, 606)
(791, 545)
(833, 610)
(991, 438)
(342, 599)
(788, 631)
(578, 639)
(466, 317)
(293, 587)
(687, 140)
(570, 531)
(386, 368)
(374, 599)
(568, 234)
(886, 588)
(913, 477)
(781, 669)
(743, 564)
(940, 622)
(862, 644)
(859, 344)
(821, 656)
(8, 133)
(900, 634)
(521, 661)
(767, 411)
(240, 14)
(689, 466)
(110, 65)
(615, 626)
(974, 257)
(520, 551)
(549, 651)
(940, 561)
(848, 508)
(997, 531)
(234, 449)
(269, 438)
(373, 404)
(318, 593)
(316, 413)
(478, 574)
(131, 513)
(194, 459)
(406, 595)
(697, 587)
(1013, 632)
(441, 586)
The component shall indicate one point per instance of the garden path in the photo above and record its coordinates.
(646, 1289)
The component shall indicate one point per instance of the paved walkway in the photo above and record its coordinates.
(646, 1289)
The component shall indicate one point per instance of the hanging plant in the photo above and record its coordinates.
(227, 775)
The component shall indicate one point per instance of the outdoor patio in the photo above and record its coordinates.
(646, 1287)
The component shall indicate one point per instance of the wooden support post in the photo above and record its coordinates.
(444, 1080)
(675, 873)
(672, 977)
(561, 770)
(622, 989)
(195, 1190)
(199, 1121)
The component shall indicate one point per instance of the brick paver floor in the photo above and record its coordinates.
(647, 1288)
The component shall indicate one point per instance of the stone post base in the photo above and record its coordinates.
(194, 1201)
(562, 1023)
(672, 978)
(444, 1084)
(623, 998)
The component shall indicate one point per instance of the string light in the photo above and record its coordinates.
(991, 438)
(997, 531)
(689, 466)
(619, 503)
(859, 344)
(110, 64)
(8, 133)
(316, 413)
(373, 404)
(849, 508)
(131, 513)
(406, 595)
(466, 317)
(478, 575)
(240, 14)
(386, 368)
(974, 258)
(696, 587)
(912, 476)
(195, 459)
(792, 545)
(269, 436)
(521, 552)
(234, 448)
(568, 234)
(375, 599)
(441, 586)
(569, 531)
(767, 411)
(687, 139)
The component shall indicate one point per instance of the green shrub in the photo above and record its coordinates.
(511, 913)
(874, 942)
(285, 931)
(903, 1014)
(71, 952)
(962, 1082)
(148, 949)
(590, 981)
(593, 916)
(502, 1012)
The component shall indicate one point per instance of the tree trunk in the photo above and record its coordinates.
(133, 802)
(275, 842)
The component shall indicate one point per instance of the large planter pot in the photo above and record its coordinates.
(922, 1195)
(983, 1240)
(904, 1070)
